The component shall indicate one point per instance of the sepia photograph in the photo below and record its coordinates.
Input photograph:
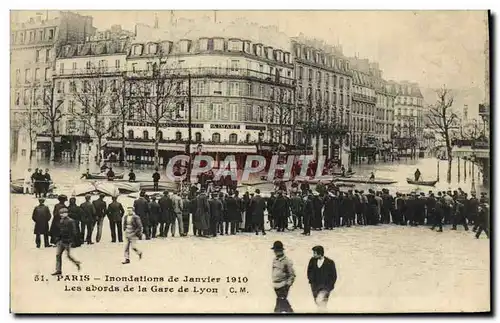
(250, 161)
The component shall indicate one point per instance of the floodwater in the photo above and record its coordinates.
(67, 174)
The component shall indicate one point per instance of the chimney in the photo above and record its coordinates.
(156, 26)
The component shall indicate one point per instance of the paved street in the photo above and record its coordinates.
(381, 269)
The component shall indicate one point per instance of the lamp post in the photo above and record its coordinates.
(473, 186)
(438, 169)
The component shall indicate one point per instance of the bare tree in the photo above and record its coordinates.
(51, 112)
(443, 120)
(121, 108)
(33, 125)
(94, 99)
(154, 93)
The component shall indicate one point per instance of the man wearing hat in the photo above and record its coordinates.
(100, 213)
(283, 276)
(88, 219)
(258, 205)
(115, 214)
(54, 226)
(141, 209)
(322, 276)
(132, 226)
(41, 216)
(64, 238)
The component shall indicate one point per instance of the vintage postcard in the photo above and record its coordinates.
(250, 161)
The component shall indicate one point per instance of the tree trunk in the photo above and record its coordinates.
(123, 158)
(52, 148)
(52, 156)
(31, 143)
(157, 158)
(99, 145)
(448, 173)
(317, 147)
(157, 142)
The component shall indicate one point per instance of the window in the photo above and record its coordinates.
(88, 65)
(247, 138)
(117, 64)
(37, 56)
(233, 138)
(40, 35)
(112, 107)
(47, 55)
(27, 75)
(71, 106)
(137, 50)
(26, 97)
(74, 66)
(130, 134)
(249, 89)
(210, 44)
(72, 86)
(37, 75)
(300, 72)
(18, 75)
(218, 44)
(235, 46)
(234, 88)
(216, 137)
(103, 64)
(149, 66)
(18, 98)
(145, 134)
(178, 136)
(335, 81)
(235, 65)
(58, 87)
(200, 88)
(160, 135)
(197, 137)
(51, 34)
(216, 113)
(233, 114)
(310, 75)
(134, 67)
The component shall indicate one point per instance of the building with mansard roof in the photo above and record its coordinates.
(323, 95)
(241, 93)
(34, 44)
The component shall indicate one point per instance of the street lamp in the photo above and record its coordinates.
(473, 186)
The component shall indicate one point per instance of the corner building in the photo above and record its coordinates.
(241, 98)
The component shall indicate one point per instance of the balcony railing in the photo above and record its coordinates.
(216, 71)
(365, 98)
(185, 141)
(94, 71)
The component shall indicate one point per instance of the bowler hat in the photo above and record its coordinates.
(319, 250)
(278, 245)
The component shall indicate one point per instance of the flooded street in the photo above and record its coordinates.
(65, 175)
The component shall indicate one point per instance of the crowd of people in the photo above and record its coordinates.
(37, 182)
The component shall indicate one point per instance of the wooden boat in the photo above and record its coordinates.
(368, 181)
(422, 183)
(348, 174)
(103, 176)
(162, 186)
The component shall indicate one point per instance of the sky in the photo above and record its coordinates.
(433, 48)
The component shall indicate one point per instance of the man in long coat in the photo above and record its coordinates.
(202, 215)
(41, 216)
(100, 213)
(75, 213)
(54, 226)
(233, 212)
(88, 219)
(141, 209)
(115, 214)
(154, 216)
(258, 205)
(279, 211)
(166, 214)
(215, 214)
